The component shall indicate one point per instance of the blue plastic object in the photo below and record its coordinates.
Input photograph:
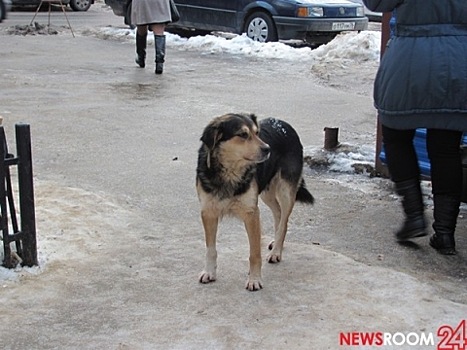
(392, 24)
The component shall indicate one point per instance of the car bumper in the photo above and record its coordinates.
(291, 28)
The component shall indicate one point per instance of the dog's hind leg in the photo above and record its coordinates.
(253, 229)
(269, 198)
(282, 206)
(210, 224)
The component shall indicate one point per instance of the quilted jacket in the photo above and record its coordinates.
(422, 78)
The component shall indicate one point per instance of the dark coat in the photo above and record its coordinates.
(422, 78)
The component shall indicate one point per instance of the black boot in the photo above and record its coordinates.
(412, 203)
(140, 50)
(445, 214)
(159, 41)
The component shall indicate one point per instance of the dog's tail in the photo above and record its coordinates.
(303, 195)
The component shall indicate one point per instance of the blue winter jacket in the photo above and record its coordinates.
(422, 78)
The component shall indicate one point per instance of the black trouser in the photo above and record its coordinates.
(443, 148)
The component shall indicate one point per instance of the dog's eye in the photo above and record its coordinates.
(243, 135)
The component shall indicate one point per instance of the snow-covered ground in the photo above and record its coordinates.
(110, 278)
(346, 53)
(349, 46)
(349, 62)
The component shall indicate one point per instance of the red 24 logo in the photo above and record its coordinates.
(453, 339)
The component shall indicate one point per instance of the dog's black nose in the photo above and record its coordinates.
(265, 149)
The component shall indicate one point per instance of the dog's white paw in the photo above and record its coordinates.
(254, 284)
(273, 258)
(206, 277)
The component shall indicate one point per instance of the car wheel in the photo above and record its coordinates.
(80, 5)
(260, 27)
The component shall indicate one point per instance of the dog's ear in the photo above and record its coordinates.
(211, 135)
(253, 118)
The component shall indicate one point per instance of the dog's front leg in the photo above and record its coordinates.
(210, 223)
(253, 229)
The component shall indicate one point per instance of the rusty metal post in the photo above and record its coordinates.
(385, 34)
(26, 194)
(331, 138)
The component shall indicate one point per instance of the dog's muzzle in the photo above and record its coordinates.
(265, 152)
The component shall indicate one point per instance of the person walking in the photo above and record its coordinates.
(150, 15)
(422, 83)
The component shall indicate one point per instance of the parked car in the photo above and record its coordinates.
(314, 21)
(5, 7)
(76, 5)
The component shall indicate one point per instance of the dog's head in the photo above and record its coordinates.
(234, 137)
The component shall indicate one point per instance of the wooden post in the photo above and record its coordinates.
(26, 194)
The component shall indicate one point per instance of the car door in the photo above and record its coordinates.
(208, 14)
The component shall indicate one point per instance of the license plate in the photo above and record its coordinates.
(343, 26)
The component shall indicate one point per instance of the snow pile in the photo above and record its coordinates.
(358, 47)
(61, 234)
(345, 162)
(241, 45)
(343, 159)
(363, 46)
(16, 273)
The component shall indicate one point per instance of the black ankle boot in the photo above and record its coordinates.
(140, 50)
(412, 203)
(446, 210)
(159, 43)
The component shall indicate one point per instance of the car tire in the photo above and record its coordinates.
(260, 26)
(80, 5)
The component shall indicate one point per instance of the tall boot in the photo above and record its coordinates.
(445, 214)
(160, 52)
(412, 203)
(140, 50)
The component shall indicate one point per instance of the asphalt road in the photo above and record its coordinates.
(120, 239)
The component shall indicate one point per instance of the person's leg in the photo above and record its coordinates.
(403, 166)
(446, 175)
(158, 28)
(401, 158)
(141, 41)
(159, 43)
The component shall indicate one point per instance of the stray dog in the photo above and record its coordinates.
(238, 161)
